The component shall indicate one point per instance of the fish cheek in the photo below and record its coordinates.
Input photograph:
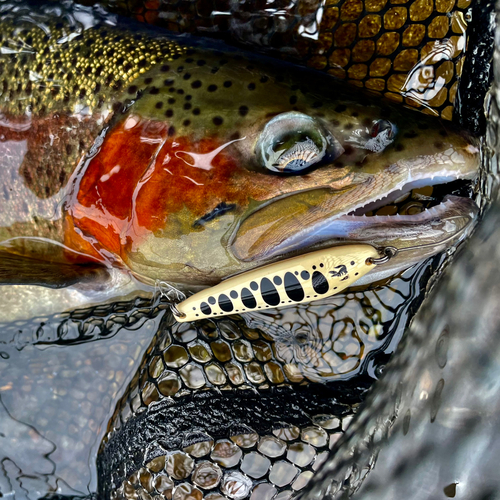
(182, 253)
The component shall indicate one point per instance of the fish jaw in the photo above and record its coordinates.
(416, 237)
(281, 228)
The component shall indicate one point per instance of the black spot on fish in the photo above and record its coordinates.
(214, 70)
(196, 84)
(201, 62)
(217, 120)
(171, 100)
(186, 123)
(205, 308)
(248, 299)
(171, 130)
(169, 113)
(243, 110)
(411, 134)
(189, 60)
(212, 88)
(227, 83)
(187, 76)
(399, 147)
(196, 111)
(168, 82)
(188, 97)
(225, 303)
(385, 112)
(180, 91)
(293, 288)
(319, 283)
(234, 136)
(305, 275)
(264, 79)
(269, 292)
(219, 210)
(251, 86)
(340, 108)
(147, 81)
(132, 89)
(187, 105)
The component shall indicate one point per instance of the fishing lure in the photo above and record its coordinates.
(304, 278)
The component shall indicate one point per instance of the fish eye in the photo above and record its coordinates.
(293, 142)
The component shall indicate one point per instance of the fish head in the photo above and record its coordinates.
(215, 163)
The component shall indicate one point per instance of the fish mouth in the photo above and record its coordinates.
(443, 220)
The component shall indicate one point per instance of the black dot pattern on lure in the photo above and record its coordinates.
(211, 300)
(225, 303)
(269, 293)
(248, 298)
(293, 288)
(319, 283)
(305, 275)
(234, 294)
(205, 308)
(254, 286)
(277, 280)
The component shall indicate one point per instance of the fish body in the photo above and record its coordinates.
(188, 164)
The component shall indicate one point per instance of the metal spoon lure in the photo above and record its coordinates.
(304, 278)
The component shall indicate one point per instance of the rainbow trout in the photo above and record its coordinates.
(148, 154)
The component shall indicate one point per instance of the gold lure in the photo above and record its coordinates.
(304, 278)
